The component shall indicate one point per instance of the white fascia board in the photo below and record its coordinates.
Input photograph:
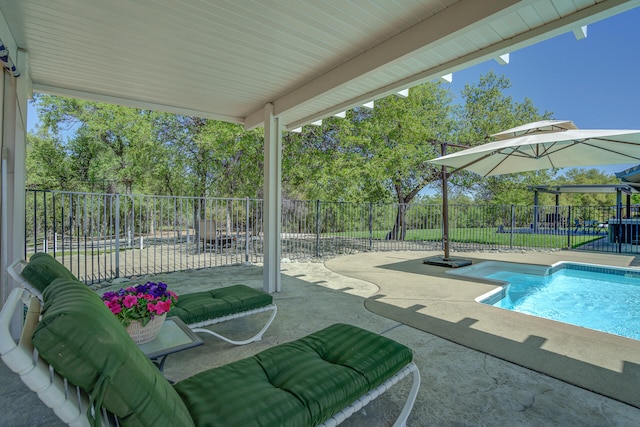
(135, 103)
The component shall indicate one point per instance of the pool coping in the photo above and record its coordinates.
(429, 299)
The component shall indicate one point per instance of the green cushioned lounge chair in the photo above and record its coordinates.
(197, 310)
(82, 363)
(200, 309)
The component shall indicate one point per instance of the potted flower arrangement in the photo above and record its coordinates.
(141, 309)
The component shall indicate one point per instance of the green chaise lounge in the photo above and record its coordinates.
(197, 310)
(74, 340)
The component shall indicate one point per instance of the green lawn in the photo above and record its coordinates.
(486, 236)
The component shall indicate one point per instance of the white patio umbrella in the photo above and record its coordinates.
(546, 144)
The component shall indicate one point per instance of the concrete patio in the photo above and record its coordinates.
(460, 386)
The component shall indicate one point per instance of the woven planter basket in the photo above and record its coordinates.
(142, 334)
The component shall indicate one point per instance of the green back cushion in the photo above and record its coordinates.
(43, 269)
(301, 383)
(201, 306)
(85, 343)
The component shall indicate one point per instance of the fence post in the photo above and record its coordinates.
(370, 226)
(513, 225)
(618, 236)
(117, 235)
(317, 228)
(569, 227)
(246, 232)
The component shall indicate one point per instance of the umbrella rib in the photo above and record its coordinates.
(474, 162)
(614, 151)
(513, 151)
(548, 151)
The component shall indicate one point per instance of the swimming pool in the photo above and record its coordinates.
(598, 297)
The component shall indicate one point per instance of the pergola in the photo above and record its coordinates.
(557, 190)
(272, 64)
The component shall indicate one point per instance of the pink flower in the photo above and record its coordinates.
(114, 307)
(163, 306)
(130, 300)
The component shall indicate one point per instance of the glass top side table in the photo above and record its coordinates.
(175, 336)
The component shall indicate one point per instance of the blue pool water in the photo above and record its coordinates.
(596, 297)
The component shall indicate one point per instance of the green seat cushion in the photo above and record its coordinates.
(80, 337)
(240, 394)
(43, 269)
(202, 306)
(377, 358)
(301, 383)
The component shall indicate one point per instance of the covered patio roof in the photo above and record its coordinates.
(277, 64)
(310, 59)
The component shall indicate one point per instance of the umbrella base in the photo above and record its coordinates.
(449, 262)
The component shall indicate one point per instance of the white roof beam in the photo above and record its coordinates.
(447, 78)
(51, 90)
(503, 59)
(580, 33)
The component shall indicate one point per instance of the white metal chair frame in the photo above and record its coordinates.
(198, 326)
(69, 402)
(15, 271)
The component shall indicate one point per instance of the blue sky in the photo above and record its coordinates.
(594, 81)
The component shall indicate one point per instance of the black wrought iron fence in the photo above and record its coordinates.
(104, 236)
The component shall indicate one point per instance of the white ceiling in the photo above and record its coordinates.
(227, 59)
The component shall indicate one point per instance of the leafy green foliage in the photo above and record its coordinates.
(374, 155)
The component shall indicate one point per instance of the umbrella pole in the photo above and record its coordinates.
(445, 213)
(445, 261)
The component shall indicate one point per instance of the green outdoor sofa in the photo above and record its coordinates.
(317, 380)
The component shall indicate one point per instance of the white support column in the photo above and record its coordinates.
(14, 94)
(272, 200)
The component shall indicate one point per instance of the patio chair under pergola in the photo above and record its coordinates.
(279, 65)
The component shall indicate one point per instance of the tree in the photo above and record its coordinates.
(579, 176)
(207, 158)
(48, 166)
(107, 144)
(488, 110)
(386, 149)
